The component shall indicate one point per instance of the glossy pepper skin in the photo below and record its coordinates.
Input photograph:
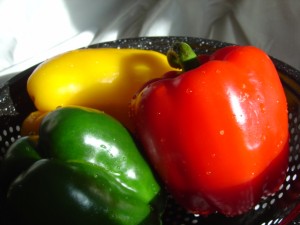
(104, 79)
(85, 168)
(217, 134)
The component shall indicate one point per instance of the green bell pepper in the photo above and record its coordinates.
(84, 169)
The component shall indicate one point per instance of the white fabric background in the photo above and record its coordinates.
(33, 30)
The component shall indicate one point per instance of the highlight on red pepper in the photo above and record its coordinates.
(216, 134)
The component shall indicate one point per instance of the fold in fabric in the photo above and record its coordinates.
(34, 30)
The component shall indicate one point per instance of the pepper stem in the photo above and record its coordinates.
(182, 56)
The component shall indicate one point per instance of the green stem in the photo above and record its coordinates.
(182, 56)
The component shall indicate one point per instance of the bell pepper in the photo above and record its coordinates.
(104, 79)
(83, 168)
(217, 133)
(31, 123)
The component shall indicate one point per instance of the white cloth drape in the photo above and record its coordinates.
(34, 30)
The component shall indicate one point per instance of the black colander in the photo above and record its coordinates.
(281, 208)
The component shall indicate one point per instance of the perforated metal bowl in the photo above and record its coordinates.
(281, 208)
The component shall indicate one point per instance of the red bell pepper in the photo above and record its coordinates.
(217, 134)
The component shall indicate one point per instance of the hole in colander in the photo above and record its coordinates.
(280, 194)
(293, 168)
(7, 137)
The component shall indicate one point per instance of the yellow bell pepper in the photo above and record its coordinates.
(31, 123)
(105, 79)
